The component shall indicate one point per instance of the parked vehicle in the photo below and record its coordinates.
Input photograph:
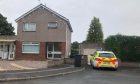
(104, 59)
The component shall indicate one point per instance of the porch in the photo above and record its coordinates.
(7, 49)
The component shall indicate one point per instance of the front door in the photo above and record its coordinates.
(7, 51)
(53, 51)
(4, 51)
(11, 51)
(50, 50)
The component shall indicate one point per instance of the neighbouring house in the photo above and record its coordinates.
(87, 49)
(42, 34)
(90, 48)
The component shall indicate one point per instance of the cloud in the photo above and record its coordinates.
(116, 16)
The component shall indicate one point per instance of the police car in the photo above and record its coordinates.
(103, 59)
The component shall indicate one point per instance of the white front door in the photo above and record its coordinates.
(7, 51)
(11, 55)
(53, 51)
(4, 51)
(1, 51)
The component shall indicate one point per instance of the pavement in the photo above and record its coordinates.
(90, 76)
(21, 65)
(38, 73)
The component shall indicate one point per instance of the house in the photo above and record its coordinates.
(41, 34)
(90, 48)
(87, 49)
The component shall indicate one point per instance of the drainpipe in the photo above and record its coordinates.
(66, 41)
(2, 50)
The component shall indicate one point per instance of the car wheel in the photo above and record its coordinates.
(91, 63)
(94, 67)
(115, 69)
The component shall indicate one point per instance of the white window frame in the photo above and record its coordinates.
(30, 23)
(52, 27)
(31, 43)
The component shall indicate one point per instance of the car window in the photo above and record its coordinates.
(108, 55)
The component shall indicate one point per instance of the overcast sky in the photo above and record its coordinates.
(116, 16)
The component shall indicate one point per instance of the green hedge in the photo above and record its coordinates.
(127, 48)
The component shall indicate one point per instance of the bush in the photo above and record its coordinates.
(74, 49)
(127, 48)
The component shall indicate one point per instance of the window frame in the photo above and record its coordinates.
(28, 27)
(49, 27)
(53, 52)
(30, 44)
(110, 55)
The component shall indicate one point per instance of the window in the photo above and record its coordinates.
(30, 47)
(52, 25)
(29, 27)
(108, 55)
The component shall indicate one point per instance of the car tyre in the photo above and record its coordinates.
(115, 69)
(93, 66)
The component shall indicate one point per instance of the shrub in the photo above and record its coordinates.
(127, 48)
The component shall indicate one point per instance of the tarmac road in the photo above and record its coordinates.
(90, 76)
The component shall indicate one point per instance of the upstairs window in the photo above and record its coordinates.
(52, 25)
(29, 27)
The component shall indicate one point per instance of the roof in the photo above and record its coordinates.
(45, 7)
(7, 40)
(104, 52)
(91, 45)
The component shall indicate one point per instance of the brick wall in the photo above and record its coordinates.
(56, 62)
(63, 48)
(41, 56)
(21, 56)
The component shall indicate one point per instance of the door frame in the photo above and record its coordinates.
(53, 52)
(10, 53)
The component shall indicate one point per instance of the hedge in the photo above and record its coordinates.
(127, 48)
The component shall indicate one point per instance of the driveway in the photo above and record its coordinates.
(21, 65)
(90, 76)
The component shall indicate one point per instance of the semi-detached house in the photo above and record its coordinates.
(41, 34)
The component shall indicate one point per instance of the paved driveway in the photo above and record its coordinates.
(90, 76)
(21, 65)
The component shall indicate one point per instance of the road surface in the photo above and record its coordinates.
(90, 76)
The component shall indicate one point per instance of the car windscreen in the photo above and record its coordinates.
(108, 55)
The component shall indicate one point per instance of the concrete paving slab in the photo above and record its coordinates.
(21, 65)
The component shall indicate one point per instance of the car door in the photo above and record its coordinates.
(93, 57)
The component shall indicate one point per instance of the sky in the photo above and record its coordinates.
(116, 16)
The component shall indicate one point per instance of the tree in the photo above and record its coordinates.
(74, 48)
(5, 27)
(95, 33)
